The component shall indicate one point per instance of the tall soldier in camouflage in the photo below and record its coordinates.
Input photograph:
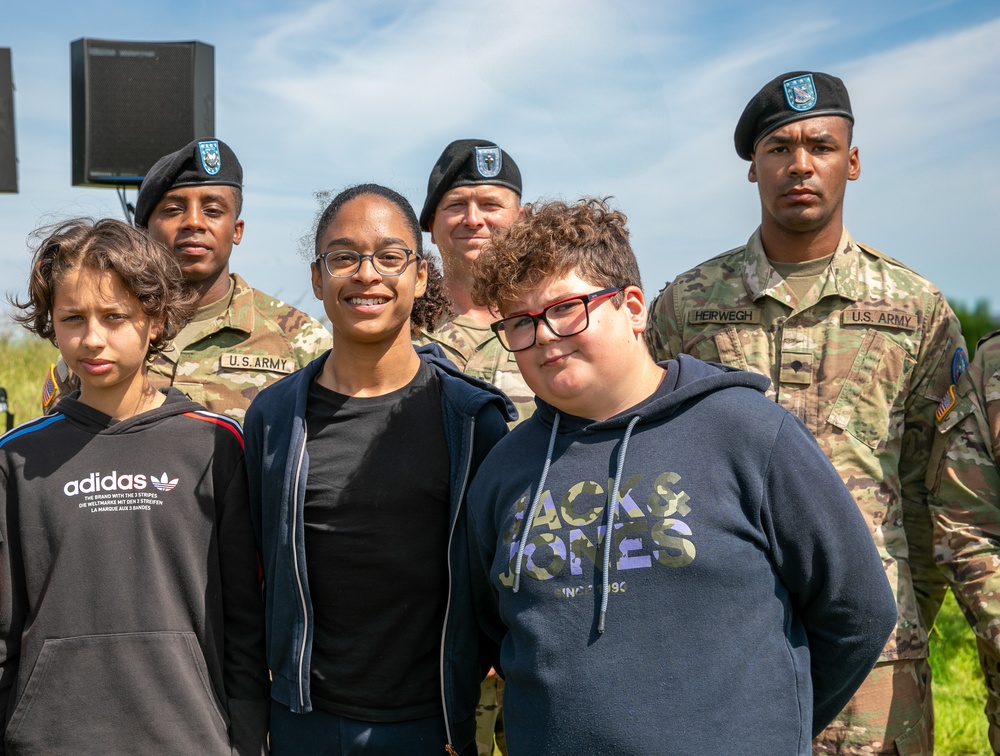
(964, 477)
(858, 346)
(474, 188)
(241, 339)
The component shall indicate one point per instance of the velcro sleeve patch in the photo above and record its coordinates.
(947, 404)
(729, 315)
(262, 362)
(876, 316)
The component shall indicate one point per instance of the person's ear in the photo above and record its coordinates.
(634, 304)
(316, 272)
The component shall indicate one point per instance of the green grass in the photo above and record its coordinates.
(24, 363)
(959, 695)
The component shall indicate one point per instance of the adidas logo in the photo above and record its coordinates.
(163, 483)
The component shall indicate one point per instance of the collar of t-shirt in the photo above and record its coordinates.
(800, 276)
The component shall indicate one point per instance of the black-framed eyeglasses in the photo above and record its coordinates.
(567, 317)
(344, 263)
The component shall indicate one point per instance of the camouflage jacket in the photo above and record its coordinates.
(964, 479)
(475, 349)
(863, 360)
(256, 341)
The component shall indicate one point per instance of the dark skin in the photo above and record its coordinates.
(801, 171)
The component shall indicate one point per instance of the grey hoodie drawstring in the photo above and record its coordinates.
(610, 524)
(612, 510)
(530, 517)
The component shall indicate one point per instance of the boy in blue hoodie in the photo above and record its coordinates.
(739, 601)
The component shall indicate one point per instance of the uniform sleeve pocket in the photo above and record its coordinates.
(868, 401)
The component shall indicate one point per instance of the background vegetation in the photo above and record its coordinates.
(959, 695)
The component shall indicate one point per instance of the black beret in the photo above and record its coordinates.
(208, 161)
(793, 96)
(465, 162)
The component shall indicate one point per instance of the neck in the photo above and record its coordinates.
(636, 384)
(459, 287)
(782, 245)
(358, 369)
(211, 290)
(123, 402)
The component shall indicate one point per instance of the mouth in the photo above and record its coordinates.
(96, 367)
(555, 360)
(799, 194)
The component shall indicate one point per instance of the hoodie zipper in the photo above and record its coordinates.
(297, 571)
(451, 534)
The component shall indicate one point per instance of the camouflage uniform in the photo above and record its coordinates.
(863, 359)
(256, 341)
(964, 479)
(475, 349)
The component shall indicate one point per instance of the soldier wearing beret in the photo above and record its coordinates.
(856, 345)
(473, 188)
(964, 478)
(240, 339)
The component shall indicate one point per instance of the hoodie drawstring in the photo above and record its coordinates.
(612, 510)
(530, 517)
(610, 524)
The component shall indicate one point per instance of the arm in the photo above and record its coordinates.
(965, 486)
(244, 668)
(930, 381)
(824, 555)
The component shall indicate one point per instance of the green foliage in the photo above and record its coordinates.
(977, 321)
(24, 363)
(959, 693)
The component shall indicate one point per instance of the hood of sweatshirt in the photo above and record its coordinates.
(686, 379)
(96, 422)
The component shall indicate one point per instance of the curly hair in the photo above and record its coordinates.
(434, 307)
(146, 269)
(553, 239)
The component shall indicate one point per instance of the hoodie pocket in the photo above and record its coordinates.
(125, 693)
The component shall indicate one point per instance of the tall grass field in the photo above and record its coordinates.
(959, 694)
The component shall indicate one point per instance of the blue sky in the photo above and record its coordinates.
(592, 97)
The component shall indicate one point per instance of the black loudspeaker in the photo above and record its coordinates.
(134, 102)
(8, 154)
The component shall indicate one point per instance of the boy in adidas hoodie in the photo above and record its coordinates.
(130, 614)
(739, 600)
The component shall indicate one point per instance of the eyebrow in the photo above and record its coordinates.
(782, 139)
(179, 197)
(385, 241)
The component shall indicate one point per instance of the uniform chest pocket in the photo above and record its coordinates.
(869, 403)
(733, 347)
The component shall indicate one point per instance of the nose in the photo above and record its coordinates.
(366, 272)
(93, 338)
(473, 216)
(193, 219)
(543, 332)
(801, 163)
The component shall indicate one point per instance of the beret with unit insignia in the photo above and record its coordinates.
(793, 96)
(204, 161)
(465, 162)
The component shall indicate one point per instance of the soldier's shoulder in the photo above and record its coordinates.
(899, 273)
(990, 345)
(726, 263)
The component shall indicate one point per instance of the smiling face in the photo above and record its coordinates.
(199, 225)
(598, 372)
(367, 307)
(465, 219)
(801, 171)
(103, 336)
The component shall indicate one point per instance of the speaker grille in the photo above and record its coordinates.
(136, 101)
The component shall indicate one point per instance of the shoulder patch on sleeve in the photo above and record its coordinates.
(49, 388)
(959, 364)
(947, 404)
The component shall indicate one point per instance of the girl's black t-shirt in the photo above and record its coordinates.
(376, 539)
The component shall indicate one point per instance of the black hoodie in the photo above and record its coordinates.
(743, 599)
(130, 612)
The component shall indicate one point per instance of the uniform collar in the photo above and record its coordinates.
(842, 277)
(241, 313)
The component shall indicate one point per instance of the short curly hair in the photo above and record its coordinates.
(553, 239)
(146, 269)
